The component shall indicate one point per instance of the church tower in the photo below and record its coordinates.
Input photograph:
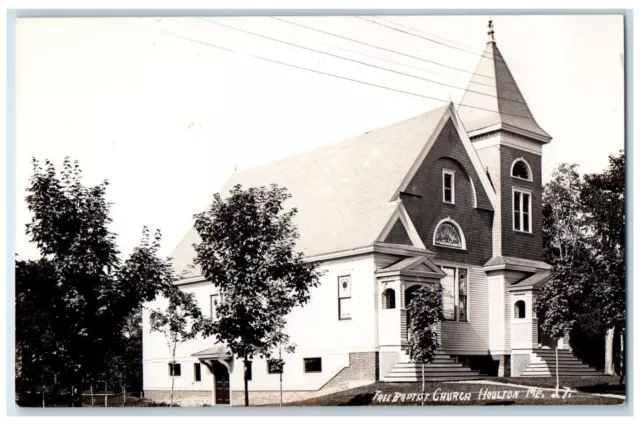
(509, 143)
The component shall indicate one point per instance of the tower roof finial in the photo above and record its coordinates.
(491, 32)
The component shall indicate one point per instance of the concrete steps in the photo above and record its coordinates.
(543, 363)
(443, 368)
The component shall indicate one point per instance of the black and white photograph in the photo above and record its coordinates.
(303, 210)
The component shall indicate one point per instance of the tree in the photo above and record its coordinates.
(564, 238)
(78, 294)
(181, 321)
(425, 310)
(603, 200)
(247, 251)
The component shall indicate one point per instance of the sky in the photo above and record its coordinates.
(149, 105)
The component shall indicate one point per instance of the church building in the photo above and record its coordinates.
(452, 197)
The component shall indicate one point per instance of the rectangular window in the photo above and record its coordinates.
(448, 294)
(454, 294)
(313, 364)
(448, 187)
(274, 366)
(344, 297)
(197, 372)
(462, 295)
(174, 369)
(522, 211)
(215, 301)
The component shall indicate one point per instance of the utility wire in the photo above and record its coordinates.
(389, 50)
(426, 38)
(204, 43)
(358, 52)
(359, 62)
(426, 33)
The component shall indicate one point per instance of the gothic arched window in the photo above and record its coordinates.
(521, 170)
(448, 234)
(388, 299)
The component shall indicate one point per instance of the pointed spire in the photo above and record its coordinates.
(490, 32)
(493, 100)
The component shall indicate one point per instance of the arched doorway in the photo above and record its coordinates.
(408, 296)
(222, 382)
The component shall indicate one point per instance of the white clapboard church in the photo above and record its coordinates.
(450, 197)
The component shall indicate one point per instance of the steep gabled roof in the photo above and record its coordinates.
(342, 191)
(493, 100)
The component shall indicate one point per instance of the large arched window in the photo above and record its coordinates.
(519, 310)
(521, 169)
(388, 299)
(449, 234)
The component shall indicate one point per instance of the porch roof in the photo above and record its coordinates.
(218, 351)
(497, 263)
(532, 282)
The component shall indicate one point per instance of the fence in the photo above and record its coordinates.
(70, 397)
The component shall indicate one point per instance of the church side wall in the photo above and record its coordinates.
(315, 329)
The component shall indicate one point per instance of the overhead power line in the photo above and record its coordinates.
(425, 38)
(357, 61)
(466, 71)
(204, 43)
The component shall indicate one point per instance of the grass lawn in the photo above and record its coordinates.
(374, 395)
(589, 384)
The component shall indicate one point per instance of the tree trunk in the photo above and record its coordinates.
(173, 381)
(622, 368)
(609, 368)
(557, 376)
(246, 383)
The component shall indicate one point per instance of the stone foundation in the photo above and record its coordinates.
(180, 397)
(362, 370)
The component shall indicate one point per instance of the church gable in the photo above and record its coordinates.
(398, 234)
(467, 202)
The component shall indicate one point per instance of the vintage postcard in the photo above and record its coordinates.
(366, 210)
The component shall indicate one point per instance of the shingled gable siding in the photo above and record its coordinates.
(519, 244)
(427, 209)
(398, 234)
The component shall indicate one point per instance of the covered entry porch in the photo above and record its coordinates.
(219, 360)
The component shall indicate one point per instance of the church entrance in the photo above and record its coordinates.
(222, 383)
(408, 296)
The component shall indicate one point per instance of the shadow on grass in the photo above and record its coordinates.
(603, 389)
(359, 400)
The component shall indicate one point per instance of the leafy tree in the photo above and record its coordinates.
(247, 251)
(181, 321)
(78, 295)
(583, 231)
(425, 310)
(603, 200)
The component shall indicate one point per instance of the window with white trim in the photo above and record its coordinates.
(448, 187)
(344, 297)
(449, 234)
(521, 170)
(521, 211)
(454, 294)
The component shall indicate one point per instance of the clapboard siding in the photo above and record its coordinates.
(510, 278)
(470, 337)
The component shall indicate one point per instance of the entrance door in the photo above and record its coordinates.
(408, 296)
(222, 383)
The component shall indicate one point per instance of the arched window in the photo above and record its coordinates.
(448, 234)
(520, 169)
(519, 310)
(388, 298)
